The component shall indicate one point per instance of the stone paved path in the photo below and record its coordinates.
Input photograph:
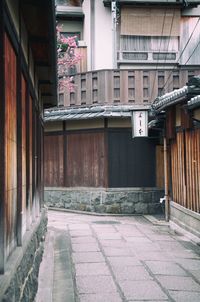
(113, 259)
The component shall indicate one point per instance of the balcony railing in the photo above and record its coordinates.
(123, 87)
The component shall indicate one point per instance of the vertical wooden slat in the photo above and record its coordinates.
(124, 87)
(19, 153)
(153, 85)
(2, 143)
(198, 169)
(53, 161)
(88, 88)
(10, 145)
(139, 87)
(109, 87)
(159, 167)
(102, 87)
(78, 91)
(85, 159)
(30, 156)
(27, 157)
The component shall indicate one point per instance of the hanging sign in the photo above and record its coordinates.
(140, 123)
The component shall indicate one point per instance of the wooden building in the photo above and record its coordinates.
(180, 110)
(28, 81)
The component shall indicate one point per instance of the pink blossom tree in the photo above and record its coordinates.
(68, 58)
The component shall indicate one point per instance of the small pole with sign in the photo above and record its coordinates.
(139, 123)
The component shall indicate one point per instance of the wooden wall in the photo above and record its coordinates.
(54, 168)
(123, 87)
(185, 167)
(131, 162)
(74, 160)
(10, 145)
(99, 158)
(21, 174)
(85, 160)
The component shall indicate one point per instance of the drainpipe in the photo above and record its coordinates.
(114, 37)
(92, 33)
(166, 180)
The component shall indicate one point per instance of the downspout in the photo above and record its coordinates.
(167, 213)
(114, 34)
(92, 33)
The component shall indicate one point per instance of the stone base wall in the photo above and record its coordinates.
(112, 201)
(19, 282)
(184, 218)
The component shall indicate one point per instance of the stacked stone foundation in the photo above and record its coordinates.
(110, 201)
(20, 279)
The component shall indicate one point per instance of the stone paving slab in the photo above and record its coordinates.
(100, 298)
(87, 257)
(118, 259)
(46, 269)
(189, 264)
(124, 261)
(109, 236)
(113, 243)
(165, 268)
(95, 285)
(114, 251)
(157, 256)
(178, 283)
(135, 273)
(83, 247)
(91, 269)
(185, 296)
(142, 290)
(79, 233)
(83, 239)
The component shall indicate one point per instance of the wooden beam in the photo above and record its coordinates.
(2, 142)
(19, 152)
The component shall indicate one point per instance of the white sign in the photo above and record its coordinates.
(140, 123)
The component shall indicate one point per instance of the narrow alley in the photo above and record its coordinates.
(90, 258)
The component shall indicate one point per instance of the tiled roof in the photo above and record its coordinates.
(62, 114)
(170, 98)
(194, 102)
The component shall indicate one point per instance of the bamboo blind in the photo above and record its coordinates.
(140, 21)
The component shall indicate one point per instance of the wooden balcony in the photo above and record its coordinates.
(123, 87)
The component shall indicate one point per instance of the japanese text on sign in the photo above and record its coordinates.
(140, 123)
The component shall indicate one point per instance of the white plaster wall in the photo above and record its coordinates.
(103, 36)
(86, 30)
(102, 54)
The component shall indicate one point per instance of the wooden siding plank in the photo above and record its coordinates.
(138, 84)
(124, 87)
(109, 86)
(53, 161)
(159, 167)
(10, 146)
(88, 88)
(2, 143)
(85, 159)
(19, 153)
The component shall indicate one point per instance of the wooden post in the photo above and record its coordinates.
(166, 181)
(2, 142)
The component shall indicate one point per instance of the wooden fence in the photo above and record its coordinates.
(123, 87)
(185, 167)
